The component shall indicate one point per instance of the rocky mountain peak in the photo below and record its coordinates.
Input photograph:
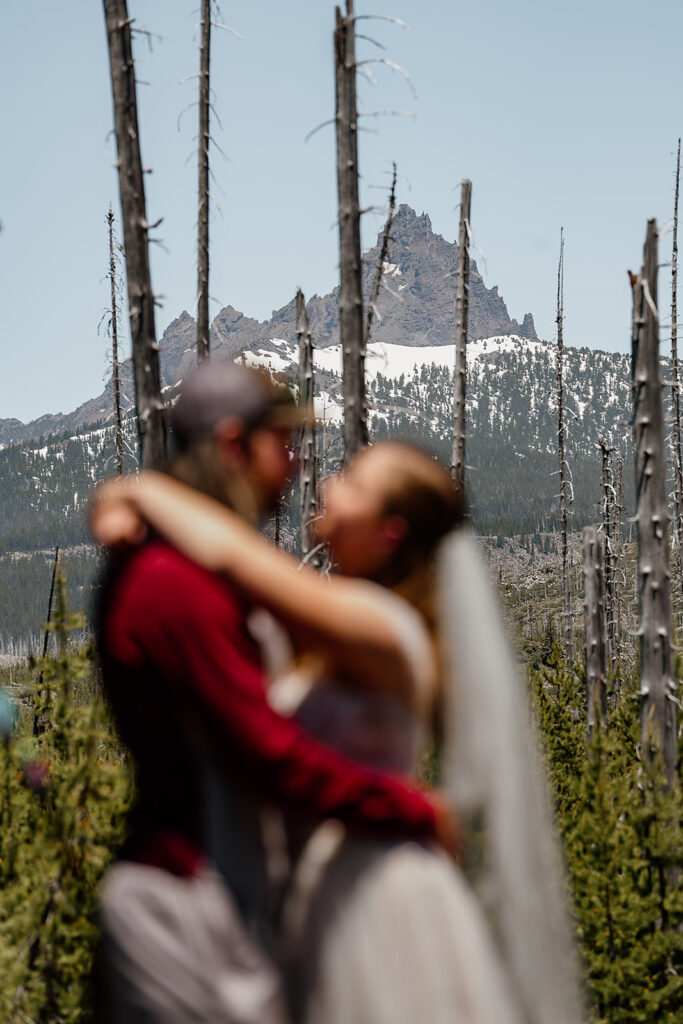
(408, 224)
(416, 307)
(528, 328)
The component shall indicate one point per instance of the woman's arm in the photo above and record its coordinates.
(337, 617)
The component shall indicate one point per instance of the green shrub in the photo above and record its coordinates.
(64, 794)
(624, 849)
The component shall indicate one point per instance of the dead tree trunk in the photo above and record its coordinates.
(308, 455)
(657, 682)
(116, 383)
(675, 381)
(351, 326)
(383, 257)
(277, 521)
(608, 503)
(38, 724)
(203, 186)
(619, 579)
(150, 407)
(594, 619)
(461, 306)
(561, 454)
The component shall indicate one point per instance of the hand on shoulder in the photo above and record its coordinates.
(114, 520)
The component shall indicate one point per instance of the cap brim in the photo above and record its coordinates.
(289, 416)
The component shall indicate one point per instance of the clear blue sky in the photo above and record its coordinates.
(561, 114)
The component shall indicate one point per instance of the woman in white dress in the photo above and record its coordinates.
(373, 933)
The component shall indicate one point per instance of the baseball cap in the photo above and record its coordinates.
(220, 389)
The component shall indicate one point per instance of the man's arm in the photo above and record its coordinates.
(187, 622)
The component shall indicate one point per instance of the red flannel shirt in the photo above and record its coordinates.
(183, 674)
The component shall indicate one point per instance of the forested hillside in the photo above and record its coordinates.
(44, 485)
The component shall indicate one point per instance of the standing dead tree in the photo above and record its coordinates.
(594, 619)
(461, 308)
(675, 380)
(657, 681)
(38, 724)
(203, 185)
(308, 455)
(116, 383)
(561, 455)
(149, 403)
(351, 325)
(372, 312)
(619, 576)
(608, 504)
(209, 10)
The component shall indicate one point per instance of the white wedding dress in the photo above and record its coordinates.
(382, 932)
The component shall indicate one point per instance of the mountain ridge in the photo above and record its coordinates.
(416, 307)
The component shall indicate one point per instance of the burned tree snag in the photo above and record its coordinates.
(675, 381)
(308, 456)
(116, 383)
(383, 258)
(203, 185)
(619, 578)
(150, 407)
(561, 455)
(276, 523)
(657, 682)
(461, 306)
(351, 325)
(608, 502)
(594, 620)
(38, 725)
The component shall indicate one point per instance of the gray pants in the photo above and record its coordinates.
(175, 951)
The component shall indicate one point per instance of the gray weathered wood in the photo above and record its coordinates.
(38, 726)
(371, 311)
(351, 325)
(461, 307)
(276, 523)
(594, 620)
(308, 455)
(203, 142)
(657, 682)
(619, 577)
(561, 455)
(608, 502)
(149, 403)
(116, 382)
(675, 381)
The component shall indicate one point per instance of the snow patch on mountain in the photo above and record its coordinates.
(392, 360)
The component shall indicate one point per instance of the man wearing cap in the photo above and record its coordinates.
(185, 680)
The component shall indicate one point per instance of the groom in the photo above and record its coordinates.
(186, 683)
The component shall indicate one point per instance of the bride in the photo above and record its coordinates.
(383, 933)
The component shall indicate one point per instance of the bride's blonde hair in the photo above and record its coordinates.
(423, 494)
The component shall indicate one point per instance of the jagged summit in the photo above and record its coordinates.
(416, 307)
(421, 310)
(408, 223)
(528, 328)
